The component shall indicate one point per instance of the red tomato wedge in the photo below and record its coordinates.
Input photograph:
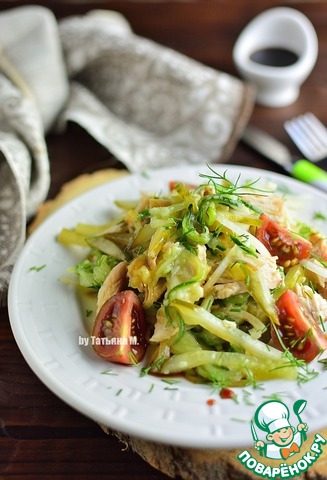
(119, 329)
(298, 330)
(287, 246)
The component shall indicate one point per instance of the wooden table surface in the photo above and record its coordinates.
(40, 436)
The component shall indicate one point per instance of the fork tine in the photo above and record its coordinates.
(309, 134)
(317, 130)
(295, 132)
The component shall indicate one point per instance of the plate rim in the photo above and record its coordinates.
(55, 386)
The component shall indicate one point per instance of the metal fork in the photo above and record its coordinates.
(309, 135)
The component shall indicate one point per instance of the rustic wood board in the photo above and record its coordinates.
(176, 462)
(197, 464)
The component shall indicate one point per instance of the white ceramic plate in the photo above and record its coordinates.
(46, 320)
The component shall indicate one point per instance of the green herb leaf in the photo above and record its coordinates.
(37, 269)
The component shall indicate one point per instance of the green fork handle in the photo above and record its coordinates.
(309, 173)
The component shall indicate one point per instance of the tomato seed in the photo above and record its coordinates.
(274, 240)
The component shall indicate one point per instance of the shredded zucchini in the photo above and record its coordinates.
(208, 285)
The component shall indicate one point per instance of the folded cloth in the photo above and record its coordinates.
(147, 104)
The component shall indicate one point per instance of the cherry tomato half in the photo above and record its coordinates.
(287, 246)
(299, 331)
(119, 329)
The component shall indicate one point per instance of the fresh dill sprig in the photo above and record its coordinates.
(240, 241)
(227, 186)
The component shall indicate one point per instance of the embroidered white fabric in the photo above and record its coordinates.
(147, 104)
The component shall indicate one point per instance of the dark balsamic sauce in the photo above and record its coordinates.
(274, 57)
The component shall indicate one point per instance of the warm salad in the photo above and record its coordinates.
(218, 282)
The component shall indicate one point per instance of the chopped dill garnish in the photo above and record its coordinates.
(306, 375)
(145, 370)
(250, 381)
(119, 392)
(319, 216)
(155, 365)
(324, 363)
(88, 313)
(108, 372)
(170, 381)
(37, 269)
(278, 396)
(241, 242)
(247, 398)
(143, 214)
(217, 382)
(151, 388)
(242, 420)
(291, 360)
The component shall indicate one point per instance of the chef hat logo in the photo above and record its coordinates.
(272, 416)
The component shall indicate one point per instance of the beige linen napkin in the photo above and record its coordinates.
(147, 104)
